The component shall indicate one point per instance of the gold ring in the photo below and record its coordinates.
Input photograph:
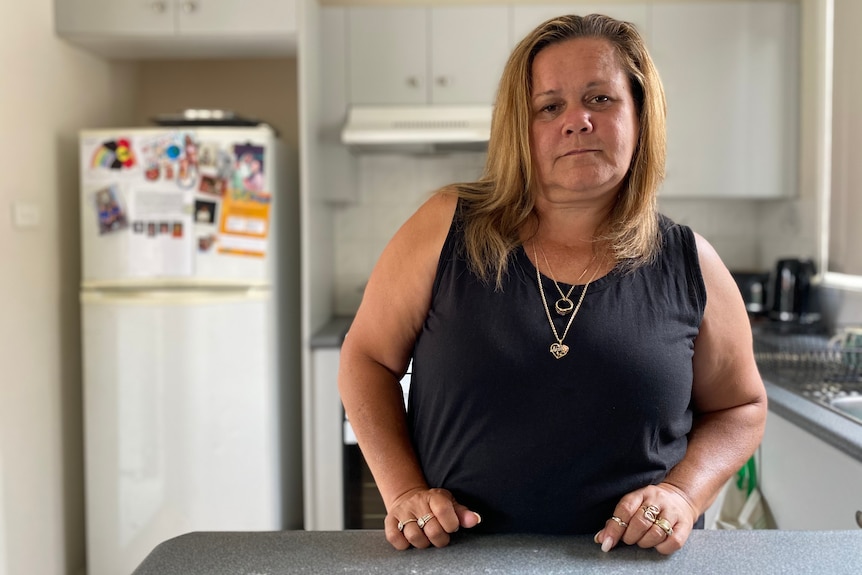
(422, 521)
(401, 524)
(619, 522)
(664, 524)
(650, 512)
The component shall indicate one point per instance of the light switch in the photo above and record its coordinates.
(26, 214)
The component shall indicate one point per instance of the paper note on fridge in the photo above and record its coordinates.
(244, 224)
(162, 243)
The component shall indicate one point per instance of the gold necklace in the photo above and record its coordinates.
(558, 349)
(564, 305)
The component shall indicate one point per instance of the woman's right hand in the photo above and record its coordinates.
(446, 516)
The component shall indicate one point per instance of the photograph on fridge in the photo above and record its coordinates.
(109, 209)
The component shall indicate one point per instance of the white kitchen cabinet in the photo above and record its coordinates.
(730, 73)
(426, 55)
(179, 28)
(807, 483)
(235, 16)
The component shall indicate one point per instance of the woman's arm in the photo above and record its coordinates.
(374, 357)
(730, 414)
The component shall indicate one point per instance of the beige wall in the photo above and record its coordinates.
(48, 91)
(264, 89)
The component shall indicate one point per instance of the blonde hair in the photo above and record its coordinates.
(500, 202)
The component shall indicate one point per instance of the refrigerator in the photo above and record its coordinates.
(190, 336)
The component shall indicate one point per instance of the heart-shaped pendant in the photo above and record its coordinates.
(558, 350)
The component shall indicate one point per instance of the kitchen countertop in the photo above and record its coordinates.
(332, 333)
(323, 552)
(835, 429)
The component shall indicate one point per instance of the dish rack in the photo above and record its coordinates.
(813, 364)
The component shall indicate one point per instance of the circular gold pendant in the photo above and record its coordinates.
(564, 305)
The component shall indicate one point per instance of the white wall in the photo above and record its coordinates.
(48, 91)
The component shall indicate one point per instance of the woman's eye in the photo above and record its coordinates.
(551, 108)
(601, 99)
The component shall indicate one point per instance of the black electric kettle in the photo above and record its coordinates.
(790, 292)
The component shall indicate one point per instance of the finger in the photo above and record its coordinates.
(611, 533)
(393, 535)
(416, 536)
(434, 532)
(675, 541)
(655, 535)
(642, 530)
(442, 507)
(630, 510)
(466, 517)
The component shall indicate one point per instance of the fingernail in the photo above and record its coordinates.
(607, 544)
(478, 518)
(596, 536)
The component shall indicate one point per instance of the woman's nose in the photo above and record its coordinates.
(578, 121)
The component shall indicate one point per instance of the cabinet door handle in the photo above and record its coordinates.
(158, 7)
(442, 81)
(859, 518)
(413, 82)
(189, 7)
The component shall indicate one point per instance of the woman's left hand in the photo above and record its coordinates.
(659, 516)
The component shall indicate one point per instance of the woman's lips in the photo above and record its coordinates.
(579, 152)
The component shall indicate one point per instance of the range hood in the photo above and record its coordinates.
(417, 127)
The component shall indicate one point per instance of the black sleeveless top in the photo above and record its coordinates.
(545, 445)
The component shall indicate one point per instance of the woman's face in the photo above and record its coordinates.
(584, 126)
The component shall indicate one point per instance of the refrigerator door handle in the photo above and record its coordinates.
(162, 297)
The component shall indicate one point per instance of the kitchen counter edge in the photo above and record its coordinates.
(332, 333)
(322, 552)
(832, 428)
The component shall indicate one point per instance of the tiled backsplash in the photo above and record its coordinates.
(747, 234)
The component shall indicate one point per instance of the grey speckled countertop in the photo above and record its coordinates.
(323, 552)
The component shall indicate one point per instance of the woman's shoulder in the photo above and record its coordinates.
(426, 230)
(676, 233)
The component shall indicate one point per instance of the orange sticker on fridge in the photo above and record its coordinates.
(244, 223)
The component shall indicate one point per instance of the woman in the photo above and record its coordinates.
(580, 363)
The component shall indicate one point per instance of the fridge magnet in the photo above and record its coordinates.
(138, 227)
(205, 243)
(177, 230)
(205, 212)
(163, 227)
(112, 216)
(224, 163)
(187, 173)
(208, 154)
(248, 169)
(244, 223)
(114, 155)
(211, 185)
(187, 164)
(160, 154)
(191, 150)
